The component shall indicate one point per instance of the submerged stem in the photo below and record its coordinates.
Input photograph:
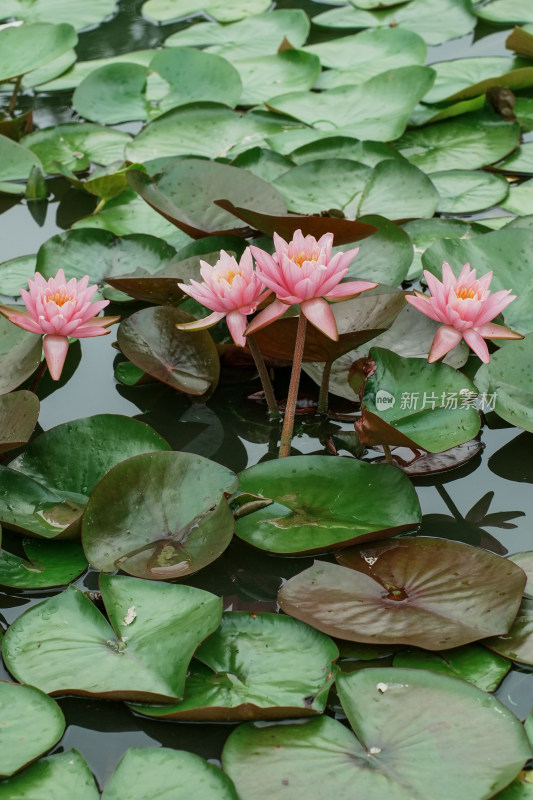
(290, 409)
(388, 454)
(273, 410)
(13, 101)
(322, 407)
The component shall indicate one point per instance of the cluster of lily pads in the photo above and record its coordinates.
(248, 121)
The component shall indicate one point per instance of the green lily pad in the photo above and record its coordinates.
(384, 257)
(368, 153)
(407, 401)
(145, 772)
(25, 48)
(103, 182)
(149, 518)
(128, 213)
(121, 92)
(423, 232)
(519, 789)
(395, 93)
(186, 360)
(19, 412)
(16, 164)
(430, 593)
(32, 723)
(471, 662)
(507, 379)
(507, 254)
(64, 645)
(311, 513)
(266, 164)
(221, 10)
(210, 130)
(99, 443)
(505, 11)
(518, 163)
(467, 142)
(465, 191)
(31, 508)
(73, 76)
(517, 644)
(397, 189)
(46, 564)
(286, 71)
(58, 11)
(520, 199)
(46, 489)
(454, 17)
(101, 254)
(49, 71)
(399, 716)
(256, 666)
(58, 777)
(326, 183)
(75, 145)
(462, 73)
(355, 59)
(525, 562)
(20, 355)
(195, 212)
(261, 34)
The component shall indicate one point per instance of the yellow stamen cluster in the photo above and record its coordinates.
(228, 276)
(467, 294)
(303, 256)
(59, 297)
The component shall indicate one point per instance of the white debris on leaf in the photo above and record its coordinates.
(374, 751)
(130, 616)
(382, 687)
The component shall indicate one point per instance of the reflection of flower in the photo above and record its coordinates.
(230, 290)
(466, 307)
(58, 310)
(303, 271)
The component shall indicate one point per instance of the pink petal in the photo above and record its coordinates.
(264, 259)
(201, 324)
(84, 332)
(55, 352)
(423, 303)
(319, 314)
(493, 331)
(22, 319)
(349, 289)
(445, 339)
(494, 305)
(341, 261)
(237, 324)
(272, 312)
(477, 344)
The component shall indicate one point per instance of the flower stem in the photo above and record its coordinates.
(273, 409)
(290, 409)
(13, 101)
(322, 407)
(39, 373)
(388, 454)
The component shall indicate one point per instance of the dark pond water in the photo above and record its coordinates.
(234, 431)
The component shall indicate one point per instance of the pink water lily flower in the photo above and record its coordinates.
(303, 272)
(230, 289)
(466, 307)
(58, 310)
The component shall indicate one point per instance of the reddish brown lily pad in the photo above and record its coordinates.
(344, 230)
(426, 592)
(19, 412)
